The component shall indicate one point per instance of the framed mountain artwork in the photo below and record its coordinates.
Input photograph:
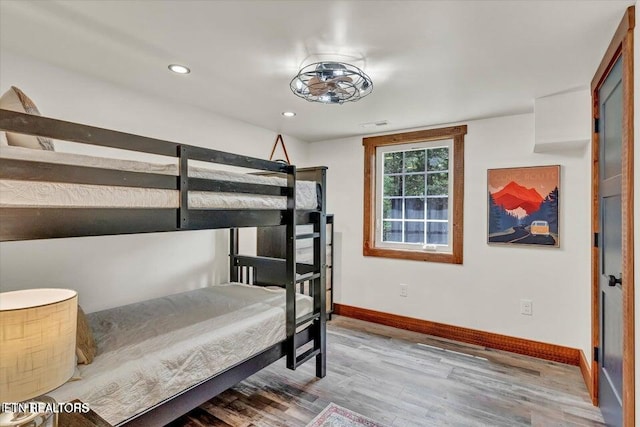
(524, 206)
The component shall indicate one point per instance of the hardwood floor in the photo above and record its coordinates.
(406, 379)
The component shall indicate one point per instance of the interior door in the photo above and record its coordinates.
(610, 98)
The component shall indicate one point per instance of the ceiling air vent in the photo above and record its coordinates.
(374, 124)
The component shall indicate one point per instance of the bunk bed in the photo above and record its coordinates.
(67, 197)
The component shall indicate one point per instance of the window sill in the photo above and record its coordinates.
(448, 258)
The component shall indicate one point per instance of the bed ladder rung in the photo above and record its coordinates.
(312, 352)
(307, 277)
(307, 318)
(307, 236)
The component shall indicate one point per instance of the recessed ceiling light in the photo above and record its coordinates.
(288, 113)
(180, 69)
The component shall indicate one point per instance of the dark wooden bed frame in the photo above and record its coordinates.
(46, 223)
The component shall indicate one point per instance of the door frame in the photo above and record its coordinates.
(621, 45)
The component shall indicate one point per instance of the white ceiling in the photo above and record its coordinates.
(431, 62)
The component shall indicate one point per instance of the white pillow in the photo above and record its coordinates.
(16, 100)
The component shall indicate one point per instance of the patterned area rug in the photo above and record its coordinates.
(337, 416)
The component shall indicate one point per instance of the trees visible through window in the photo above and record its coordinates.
(415, 194)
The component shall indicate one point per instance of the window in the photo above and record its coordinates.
(414, 195)
(412, 203)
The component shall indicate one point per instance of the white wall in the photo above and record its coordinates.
(114, 270)
(485, 292)
(563, 120)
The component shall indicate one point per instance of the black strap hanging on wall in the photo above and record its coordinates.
(284, 148)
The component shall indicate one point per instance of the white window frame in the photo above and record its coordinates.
(379, 197)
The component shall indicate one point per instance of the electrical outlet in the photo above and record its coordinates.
(404, 290)
(526, 307)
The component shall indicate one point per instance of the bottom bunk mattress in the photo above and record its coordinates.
(152, 350)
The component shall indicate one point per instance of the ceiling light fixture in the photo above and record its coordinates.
(331, 83)
(179, 69)
(288, 113)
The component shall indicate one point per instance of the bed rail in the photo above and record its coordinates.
(265, 271)
(26, 223)
(12, 121)
(168, 410)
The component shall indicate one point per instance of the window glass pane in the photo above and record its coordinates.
(414, 208)
(393, 185)
(438, 208)
(414, 161)
(414, 185)
(438, 159)
(392, 231)
(438, 184)
(438, 233)
(610, 111)
(392, 209)
(393, 162)
(414, 232)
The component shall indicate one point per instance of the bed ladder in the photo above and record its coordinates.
(287, 273)
(266, 271)
(317, 287)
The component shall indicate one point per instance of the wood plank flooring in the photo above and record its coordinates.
(398, 378)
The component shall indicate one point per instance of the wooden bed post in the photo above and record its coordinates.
(320, 285)
(183, 186)
(233, 251)
(290, 267)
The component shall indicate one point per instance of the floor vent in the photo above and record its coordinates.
(452, 352)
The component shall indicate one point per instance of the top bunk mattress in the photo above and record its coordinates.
(19, 193)
(152, 350)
